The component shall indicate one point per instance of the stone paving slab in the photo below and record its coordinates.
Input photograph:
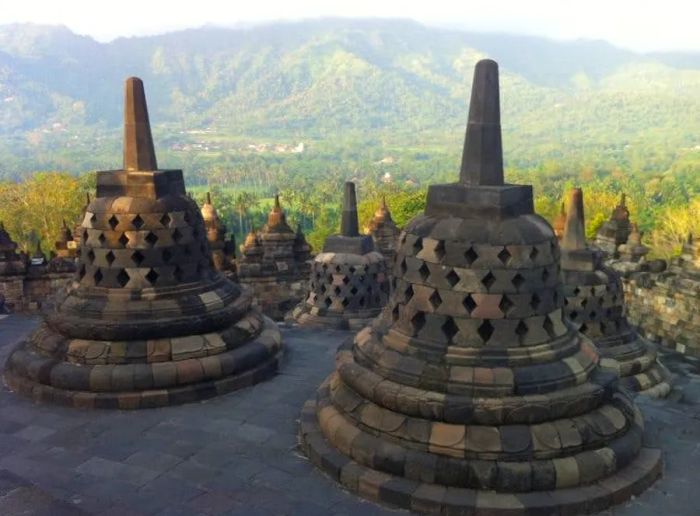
(237, 454)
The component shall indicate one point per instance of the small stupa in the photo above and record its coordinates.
(384, 232)
(595, 303)
(275, 264)
(559, 222)
(147, 321)
(11, 262)
(471, 394)
(349, 282)
(633, 251)
(222, 248)
(616, 230)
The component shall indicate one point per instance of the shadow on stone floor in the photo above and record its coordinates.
(237, 454)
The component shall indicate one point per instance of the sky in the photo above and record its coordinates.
(640, 25)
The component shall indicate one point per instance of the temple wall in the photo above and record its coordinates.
(276, 296)
(30, 293)
(666, 308)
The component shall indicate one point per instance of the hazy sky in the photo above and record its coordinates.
(638, 24)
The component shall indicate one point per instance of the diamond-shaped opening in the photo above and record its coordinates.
(408, 294)
(534, 253)
(165, 220)
(602, 327)
(471, 256)
(167, 255)
(353, 290)
(123, 240)
(535, 301)
(81, 272)
(177, 235)
(450, 329)
(178, 273)
(485, 330)
(93, 218)
(584, 302)
(452, 278)
(98, 276)
(113, 222)
(346, 280)
(152, 276)
(362, 301)
(505, 304)
(548, 327)
(521, 330)
(323, 288)
(151, 238)
(418, 321)
(583, 328)
(122, 278)
(469, 303)
(186, 217)
(555, 299)
(504, 255)
(110, 257)
(395, 313)
(403, 266)
(91, 256)
(137, 222)
(573, 315)
(345, 302)
(85, 235)
(577, 291)
(328, 302)
(440, 249)
(488, 280)
(517, 281)
(102, 238)
(593, 315)
(545, 275)
(337, 268)
(337, 291)
(417, 245)
(424, 271)
(435, 299)
(137, 257)
(351, 269)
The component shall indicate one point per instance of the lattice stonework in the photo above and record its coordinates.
(148, 321)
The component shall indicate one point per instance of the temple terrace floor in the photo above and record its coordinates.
(237, 454)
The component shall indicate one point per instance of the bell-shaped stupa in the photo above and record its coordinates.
(384, 232)
(595, 304)
(147, 321)
(349, 282)
(471, 394)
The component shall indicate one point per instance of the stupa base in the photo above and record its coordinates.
(163, 383)
(655, 382)
(400, 492)
(354, 321)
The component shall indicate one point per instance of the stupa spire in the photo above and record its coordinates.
(574, 232)
(139, 153)
(208, 197)
(482, 158)
(349, 225)
(277, 201)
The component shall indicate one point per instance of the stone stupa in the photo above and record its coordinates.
(471, 394)
(384, 232)
(223, 249)
(349, 282)
(146, 322)
(616, 230)
(274, 263)
(595, 303)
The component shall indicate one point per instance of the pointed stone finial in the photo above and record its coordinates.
(623, 199)
(574, 231)
(277, 201)
(208, 197)
(87, 198)
(349, 225)
(139, 153)
(482, 158)
(384, 202)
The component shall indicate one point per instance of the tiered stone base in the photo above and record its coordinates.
(205, 366)
(306, 315)
(429, 497)
(643, 373)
